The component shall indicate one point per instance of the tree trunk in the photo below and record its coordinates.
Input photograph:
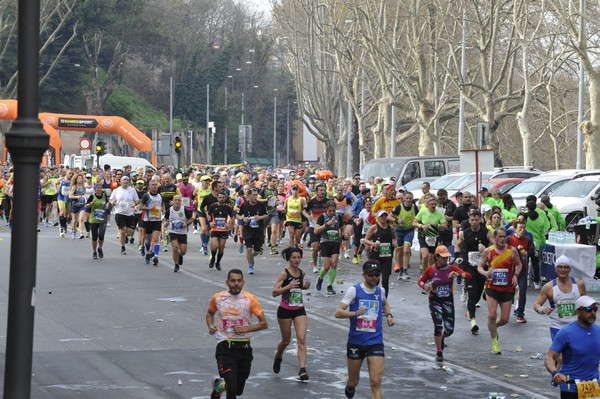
(591, 128)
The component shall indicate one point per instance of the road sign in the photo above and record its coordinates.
(85, 143)
(86, 153)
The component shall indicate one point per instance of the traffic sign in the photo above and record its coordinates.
(86, 153)
(85, 143)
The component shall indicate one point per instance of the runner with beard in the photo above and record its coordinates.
(253, 214)
(178, 219)
(329, 228)
(315, 207)
(220, 221)
(429, 221)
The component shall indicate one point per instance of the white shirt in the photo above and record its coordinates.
(124, 200)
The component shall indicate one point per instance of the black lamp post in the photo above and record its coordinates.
(26, 141)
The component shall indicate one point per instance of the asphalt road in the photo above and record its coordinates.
(117, 328)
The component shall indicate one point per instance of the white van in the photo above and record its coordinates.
(117, 162)
(577, 198)
(405, 169)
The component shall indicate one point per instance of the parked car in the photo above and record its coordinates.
(467, 180)
(406, 169)
(576, 198)
(546, 184)
(438, 183)
(502, 184)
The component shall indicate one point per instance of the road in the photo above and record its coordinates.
(121, 329)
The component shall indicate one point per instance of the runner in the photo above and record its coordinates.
(289, 285)
(429, 221)
(124, 199)
(167, 191)
(78, 198)
(64, 202)
(234, 309)
(97, 206)
(404, 214)
(382, 240)
(253, 214)
(365, 305)
(471, 243)
(438, 280)
(343, 199)
(524, 246)
(268, 195)
(140, 189)
(329, 228)
(151, 206)
(315, 207)
(501, 265)
(294, 205)
(220, 221)
(178, 219)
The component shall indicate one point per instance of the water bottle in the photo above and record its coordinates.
(449, 370)
(587, 222)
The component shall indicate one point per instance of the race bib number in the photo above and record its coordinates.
(366, 324)
(500, 277)
(65, 190)
(81, 201)
(230, 321)
(333, 235)
(99, 214)
(430, 241)
(155, 214)
(365, 228)
(565, 308)
(177, 225)
(474, 258)
(588, 389)
(442, 290)
(185, 201)
(295, 297)
(220, 223)
(293, 214)
(385, 249)
(253, 223)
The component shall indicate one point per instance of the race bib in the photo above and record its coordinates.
(500, 277)
(230, 321)
(385, 249)
(565, 308)
(474, 258)
(177, 225)
(587, 389)
(365, 228)
(293, 214)
(333, 235)
(253, 223)
(155, 214)
(99, 214)
(442, 290)
(220, 223)
(81, 201)
(185, 201)
(65, 190)
(295, 297)
(431, 241)
(366, 324)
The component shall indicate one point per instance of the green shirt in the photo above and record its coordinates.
(434, 218)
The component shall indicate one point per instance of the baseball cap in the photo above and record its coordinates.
(280, 176)
(205, 177)
(382, 212)
(197, 172)
(563, 260)
(88, 175)
(442, 250)
(485, 208)
(178, 176)
(140, 182)
(584, 301)
(483, 190)
(371, 265)
(294, 187)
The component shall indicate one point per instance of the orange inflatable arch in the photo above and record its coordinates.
(87, 123)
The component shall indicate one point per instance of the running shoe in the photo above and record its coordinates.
(123, 252)
(95, 255)
(180, 260)
(73, 235)
(251, 268)
(439, 356)
(474, 326)
(55, 224)
(302, 374)
(211, 264)
(355, 259)
(204, 250)
(195, 231)
(241, 250)
(143, 250)
(277, 363)
(360, 258)
(346, 254)
(235, 238)
(397, 269)
(81, 236)
(330, 290)
(176, 269)
(147, 258)
(537, 285)
(319, 284)
(218, 386)
(100, 253)
(405, 275)
(463, 295)
(349, 391)
(319, 261)
(218, 266)
(521, 319)
(496, 346)
(155, 261)
(260, 251)
(274, 251)
(315, 270)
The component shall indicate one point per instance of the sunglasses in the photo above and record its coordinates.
(590, 309)
(374, 274)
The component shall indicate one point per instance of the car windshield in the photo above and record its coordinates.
(444, 181)
(526, 188)
(384, 169)
(576, 189)
(414, 185)
(466, 180)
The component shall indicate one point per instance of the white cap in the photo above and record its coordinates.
(381, 212)
(563, 260)
(485, 208)
(584, 301)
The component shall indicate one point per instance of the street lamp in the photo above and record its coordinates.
(275, 128)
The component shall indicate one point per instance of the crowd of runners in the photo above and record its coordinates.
(490, 251)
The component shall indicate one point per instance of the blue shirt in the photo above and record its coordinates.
(374, 304)
(580, 348)
(358, 205)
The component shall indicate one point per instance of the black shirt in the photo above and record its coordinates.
(249, 210)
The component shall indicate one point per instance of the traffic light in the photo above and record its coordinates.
(100, 148)
(178, 145)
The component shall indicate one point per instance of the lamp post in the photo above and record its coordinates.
(275, 129)
(26, 141)
(287, 134)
